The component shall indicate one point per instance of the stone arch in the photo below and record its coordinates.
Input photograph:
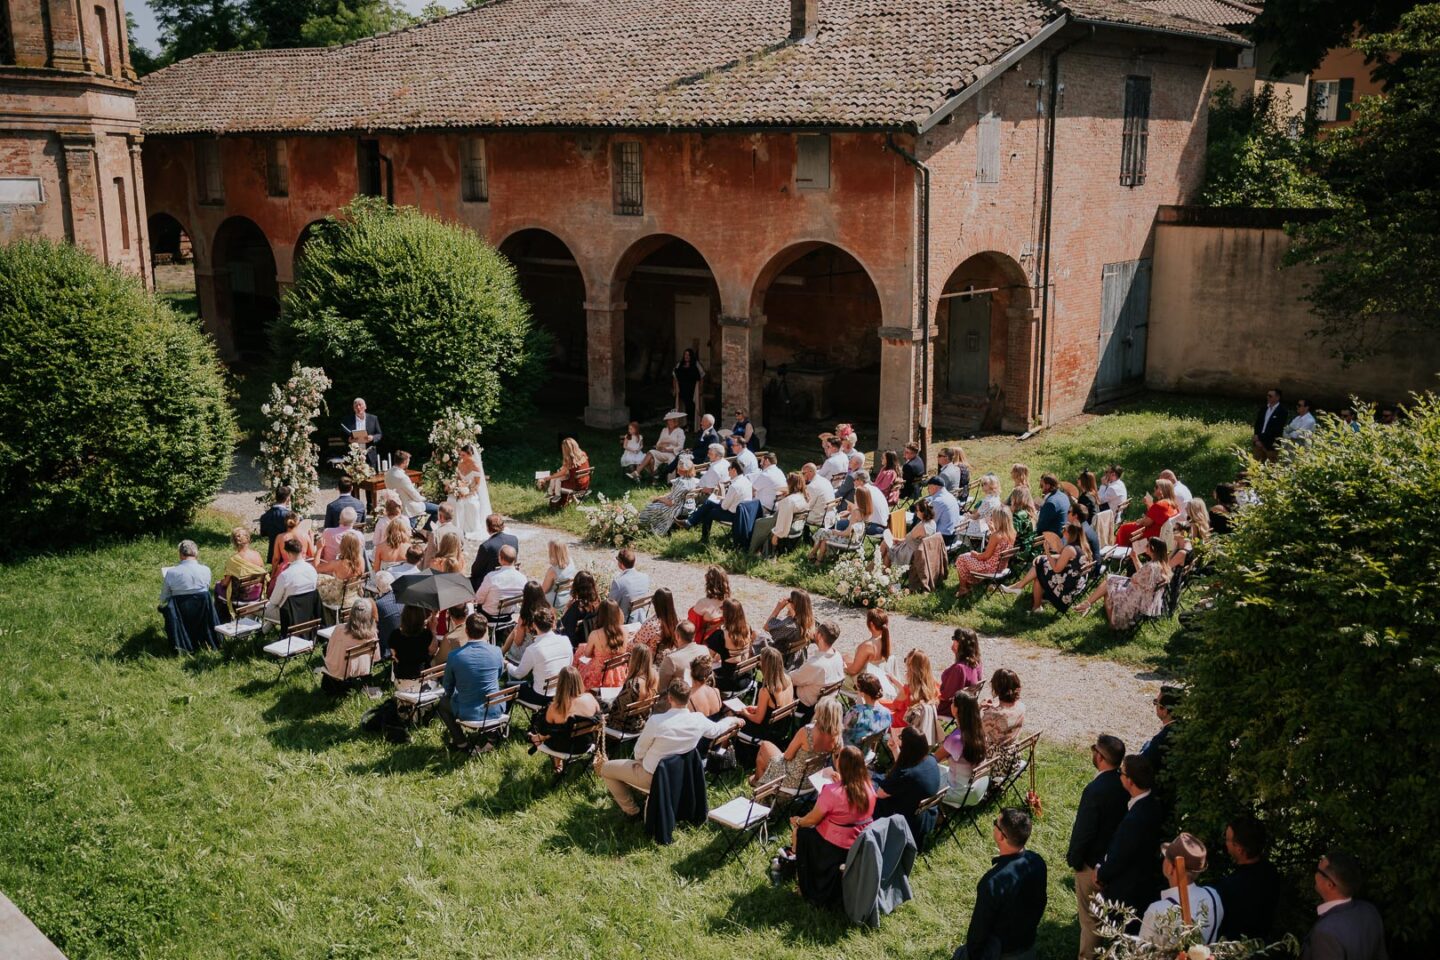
(247, 294)
(981, 361)
(816, 315)
(170, 242)
(311, 229)
(553, 283)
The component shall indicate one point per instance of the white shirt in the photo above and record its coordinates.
(1269, 412)
(674, 732)
(671, 440)
(787, 511)
(411, 499)
(1301, 427)
(818, 494)
(817, 673)
(544, 658)
(768, 483)
(747, 463)
(1136, 799)
(1205, 909)
(835, 465)
(879, 506)
(499, 585)
(716, 475)
(1112, 495)
(1328, 905)
(299, 577)
(738, 492)
(1182, 495)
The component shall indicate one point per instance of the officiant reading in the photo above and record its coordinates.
(362, 427)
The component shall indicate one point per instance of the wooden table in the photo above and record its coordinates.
(373, 485)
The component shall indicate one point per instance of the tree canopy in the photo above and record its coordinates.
(1254, 157)
(1301, 32)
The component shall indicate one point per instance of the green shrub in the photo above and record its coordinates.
(1313, 683)
(415, 315)
(116, 413)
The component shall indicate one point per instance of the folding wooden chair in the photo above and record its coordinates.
(614, 734)
(590, 728)
(246, 619)
(1003, 573)
(569, 495)
(349, 589)
(965, 805)
(496, 728)
(930, 803)
(507, 613)
(298, 641)
(717, 747)
(796, 652)
(414, 705)
(1014, 758)
(743, 673)
(641, 604)
(325, 633)
(616, 662)
(530, 708)
(778, 724)
(371, 649)
(747, 817)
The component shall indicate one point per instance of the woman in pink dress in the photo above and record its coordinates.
(607, 640)
(968, 566)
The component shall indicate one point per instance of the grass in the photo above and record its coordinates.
(1196, 438)
(152, 806)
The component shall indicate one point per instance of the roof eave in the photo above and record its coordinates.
(1006, 60)
(1231, 41)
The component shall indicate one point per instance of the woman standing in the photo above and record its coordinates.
(470, 504)
(824, 836)
(687, 383)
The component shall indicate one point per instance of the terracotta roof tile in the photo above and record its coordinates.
(621, 63)
(1219, 13)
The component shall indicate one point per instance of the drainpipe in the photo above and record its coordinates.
(1053, 96)
(923, 242)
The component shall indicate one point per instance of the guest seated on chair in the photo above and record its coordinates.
(573, 476)
(706, 613)
(868, 717)
(790, 510)
(503, 583)
(1089, 492)
(812, 745)
(900, 553)
(572, 706)
(393, 548)
(1160, 506)
(658, 633)
(970, 566)
(737, 491)
(244, 562)
(878, 518)
(965, 672)
(964, 749)
(272, 521)
(472, 675)
(390, 510)
(606, 640)
(296, 528)
(448, 628)
(732, 641)
(1128, 600)
(947, 510)
(561, 569)
(642, 682)
(742, 434)
(1112, 494)
(448, 555)
(667, 447)
(912, 472)
(819, 494)
(1058, 576)
(848, 532)
(744, 458)
(584, 604)
(769, 482)
(346, 489)
(887, 478)
(875, 653)
(792, 619)
(676, 663)
(633, 445)
(824, 667)
(913, 778)
(976, 524)
(776, 690)
(297, 578)
(532, 598)
(704, 699)
(662, 513)
(335, 575)
(344, 529)
(629, 584)
(360, 631)
(1003, 714)
(1053, 509)
(413, 501)
(916, 706)
(546, 656)
(188, 575)
(824, 836)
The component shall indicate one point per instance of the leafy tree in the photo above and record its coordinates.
(188, 27)
(1379, 254)
(417, 315)
(117, 414)
(140, 56)
(347, 23)
(1254, 159)
(1314, 676)
(1302, 31)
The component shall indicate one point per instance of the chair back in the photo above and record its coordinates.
(435, 673)
(509, 606)
(562, 586)
(931, 802)
(641, 603)
(306, 628)
(781, 714)
(767, 792)
(300, 608)
(501, 698)
(1104, 526)
(616, 662)
(371, 649)
(746, 664)
(829, 689)
(637, 708)
(724, 739)
(1167, 533)
(796, 647)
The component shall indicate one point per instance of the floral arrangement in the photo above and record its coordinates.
(863, 584)
(1173, 938)
(288, 457)
(612, 522)
(354, 465)
(441, 475)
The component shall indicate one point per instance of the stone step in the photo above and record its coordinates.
(20, 939)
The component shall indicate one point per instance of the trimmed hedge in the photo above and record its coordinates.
(415, 315)
(116, 414)
(1315, 680)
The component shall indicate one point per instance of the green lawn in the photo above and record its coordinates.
(1196, 438)
(152, 806)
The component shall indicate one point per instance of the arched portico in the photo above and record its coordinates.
(553, 283)
(982, 350)
(247, 296)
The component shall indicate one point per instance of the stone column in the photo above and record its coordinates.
(757, 368)
(1020, 356)
(123, 37)
(209, 293)
(86, 226)
(735, 365)
(605, 326)
(899, 370)
(142, 224)
(67, 43)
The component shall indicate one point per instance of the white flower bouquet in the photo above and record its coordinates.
(441, 475)
(355, 466)
(288, 457)
(861, 583)
(612, 522)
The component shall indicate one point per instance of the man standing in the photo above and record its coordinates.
(412, 501)
(1103, 804)
(768, 482)
(346, 488)
(1130, 872)
(1250, 893)
(1157, 747)
(1347, 929)
(912, 472)
(487, 558)
(629, 584)
(503, 583)
(1205, 905)
(676, 731)
(947, 510)
(472, 674)
(1054, 509)
(1010, 898)
(367, 425)
(186, 577)
(1269, 423)
(272, 521)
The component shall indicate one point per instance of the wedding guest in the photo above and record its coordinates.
(792, 621)
(1004, 712)
(606, 641)
(836, 464)
(964, 749)
(633, 446)
(344, 529)
(887, 478)
(688, 382)
(947, 510)
(658, 633)
(561, 570)
(487, 557)
(544, 658)
(345, 487)
(1130, 870)
(629, 584)
(676, 663)
(744, 458)
(819, 494)
(296, 579)
(410, 644)
(1205, 906)
(503, 583)
(875, 654)
(472, 676)
(704, 699)
(912, 779)
(272, 521)
(387, 608)
(1250, 893)
(584, 605)
(868, 717)
(574, 474)
(732, 641)
(524, 632)
(411, 499)
(667, 446)
(361, 631)
(815, 743)
(188, 575)
(742, 434)
(1113, 493)
(1103, 804)
(337, 578)
(297, 528)
(823, 837)
(1128, 600)
(971, 567)
(642, 682)
(705, 435)
(390, 511)
(900, 553)
(822, 668)
(393, 548)
(706, 612)
(448, 556)
(912, 471)
(790, 510)
(916, 706)
(965, 672)
(662, 513)
(1347, 927)
(244, 562)
(1269, 424)
(1010, 898)
(769, 482)
(571, 707)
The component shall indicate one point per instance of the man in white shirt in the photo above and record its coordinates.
(746, 460)
(824, 667)
(879, 507)
(1112, 491)
(672, 733)
(330, 536)
(1205, 906)
(298, 577)
(836, 464)
(1299, 429)
(545, 657)
(819, 494)
(717, 473)
(629, 584)
(736, 493)
(768, 481)
(1182, 492)
(503, 583)
(411, 499)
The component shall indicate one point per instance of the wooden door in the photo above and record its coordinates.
(969, 345)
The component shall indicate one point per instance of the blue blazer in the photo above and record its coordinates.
(1130, 871)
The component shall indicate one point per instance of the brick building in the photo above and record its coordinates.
(911, 205)
(69, 136)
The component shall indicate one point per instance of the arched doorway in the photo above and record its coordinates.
(973, 343)
(820, 336)
(247, 294)
(671, 302)
(172, 259)
(551, 282)
(311, 229)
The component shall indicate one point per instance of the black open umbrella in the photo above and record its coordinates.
(433, 591)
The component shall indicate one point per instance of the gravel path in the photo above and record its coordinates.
(1070, 698)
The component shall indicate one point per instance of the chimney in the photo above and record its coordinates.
(804, 19)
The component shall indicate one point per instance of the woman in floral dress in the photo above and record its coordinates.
(1128, 599)
(660, 514)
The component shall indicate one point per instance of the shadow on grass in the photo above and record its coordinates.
(148, 642)
(781, 908)
(598, 832)
(297, 715)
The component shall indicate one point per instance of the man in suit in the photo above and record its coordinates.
(1054, 510)
(1157, 748)
(629, 584)
(1130, 872)
(1103, 804)
(411, 499)
(1269, 425)
(346, 498)
(912, 471)
(487, 558)
(359, 421)
(1347, 929)
(1010, 898)
(272, 521)
(1251, 892)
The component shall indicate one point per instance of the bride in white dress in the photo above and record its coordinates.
(471, 510)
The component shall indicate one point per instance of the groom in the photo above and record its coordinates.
(411, 499)
(359, 422)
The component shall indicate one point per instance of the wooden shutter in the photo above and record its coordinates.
(812, 161)
(987, 161)
(1135, 135)
(1347, 94)
(474, 179)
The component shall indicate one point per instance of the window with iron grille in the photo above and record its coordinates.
(812, 161)
(277, 169)
(474, 184)
(1134, 139)
(209, 179)
(629, 178)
